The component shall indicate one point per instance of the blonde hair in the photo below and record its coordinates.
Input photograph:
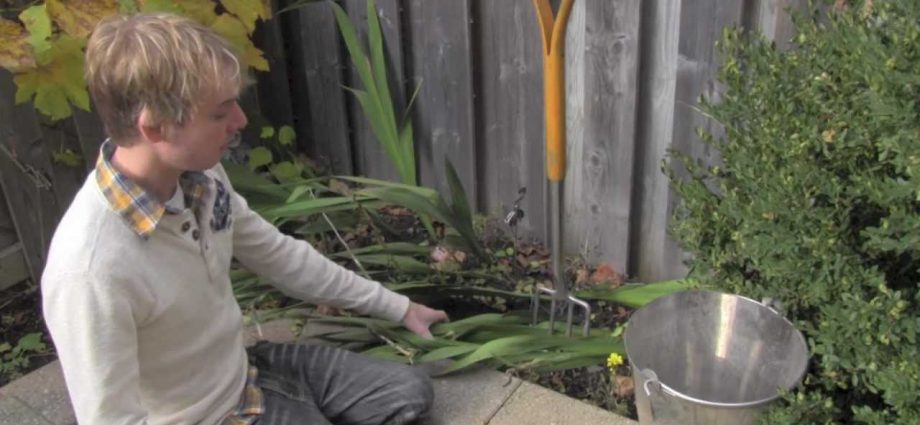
(159, 62)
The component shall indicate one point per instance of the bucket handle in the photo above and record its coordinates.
(651, 378)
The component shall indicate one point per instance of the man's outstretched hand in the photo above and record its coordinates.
(418, 318)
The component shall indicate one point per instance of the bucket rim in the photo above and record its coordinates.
(637, 371)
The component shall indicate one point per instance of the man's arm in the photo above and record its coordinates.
(95, 336)
(300, 271)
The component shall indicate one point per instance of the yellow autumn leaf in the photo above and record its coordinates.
(248, 11)
(15, 54)
(38, 26)
(57, 83)
(234, 31)
(202, 11)
(151, 6)
(79, 17)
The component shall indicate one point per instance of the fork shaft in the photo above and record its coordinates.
(559, 283)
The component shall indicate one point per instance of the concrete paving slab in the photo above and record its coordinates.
(532, 404)
(15, 412)
(470, 398)
(45, 392)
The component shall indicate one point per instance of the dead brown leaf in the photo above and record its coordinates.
(606, 274)
(396, 211)
(625, 386)
(339, 187)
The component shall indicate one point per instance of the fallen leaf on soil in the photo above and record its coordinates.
(581, 276)
(625, 386)
(396, 211)
(339, 186)
(606, 274)
(440, 254)
(522, 260)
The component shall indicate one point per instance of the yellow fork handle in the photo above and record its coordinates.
(552, 32)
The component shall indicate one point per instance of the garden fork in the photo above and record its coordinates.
(552, 31)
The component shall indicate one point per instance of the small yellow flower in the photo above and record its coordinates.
(613, 361)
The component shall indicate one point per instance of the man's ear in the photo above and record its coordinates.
(153, 132)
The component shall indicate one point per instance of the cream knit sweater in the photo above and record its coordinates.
(148, 331)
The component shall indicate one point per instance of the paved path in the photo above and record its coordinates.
(475, 398)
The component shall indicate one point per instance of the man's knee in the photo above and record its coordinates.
(418, 396)
(422, 387)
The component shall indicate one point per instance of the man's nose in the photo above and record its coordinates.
(241, 120)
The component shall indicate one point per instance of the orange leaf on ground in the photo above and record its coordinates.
(625, 386)
(606, 274)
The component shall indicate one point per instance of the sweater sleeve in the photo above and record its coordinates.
(94, 331)
(300, 271)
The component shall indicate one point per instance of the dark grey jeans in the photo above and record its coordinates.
(314, 384)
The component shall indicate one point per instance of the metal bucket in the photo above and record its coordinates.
(707, 358)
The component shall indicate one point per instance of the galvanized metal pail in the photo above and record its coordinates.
(708, 358)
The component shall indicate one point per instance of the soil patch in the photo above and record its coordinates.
(20, 316)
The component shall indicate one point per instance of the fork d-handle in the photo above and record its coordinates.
(552, 32)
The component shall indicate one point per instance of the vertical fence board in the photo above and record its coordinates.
(7, 229)
(273, 88)
(319, 100)
(660, 34)
(771, 18)
(90, 135)
(24, 176)
(370, 156)
(441, 59)
(575, 241)
(697, 67)
(602, 76)
(509, 114)
(58, 137)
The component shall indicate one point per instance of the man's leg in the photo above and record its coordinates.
(348, 388)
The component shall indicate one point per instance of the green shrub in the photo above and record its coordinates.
(816, 201)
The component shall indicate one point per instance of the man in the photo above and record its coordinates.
(136, 290)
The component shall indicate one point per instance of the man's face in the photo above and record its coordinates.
(199, 143)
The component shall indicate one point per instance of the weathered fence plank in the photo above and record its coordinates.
(90, 135)
(770, 17)
(273, 89)
(655, 127)
(13, 266)
(60, 138)
(7, 229)
(319, 101)
(370, 156)
(510, 110)
(697, 68)
(443, 114)
(25, 168)
(602, 121)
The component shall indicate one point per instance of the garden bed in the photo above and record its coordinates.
(25, 344)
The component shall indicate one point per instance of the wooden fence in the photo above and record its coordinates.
(634, 71)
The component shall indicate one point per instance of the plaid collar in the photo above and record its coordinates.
(139, 208)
